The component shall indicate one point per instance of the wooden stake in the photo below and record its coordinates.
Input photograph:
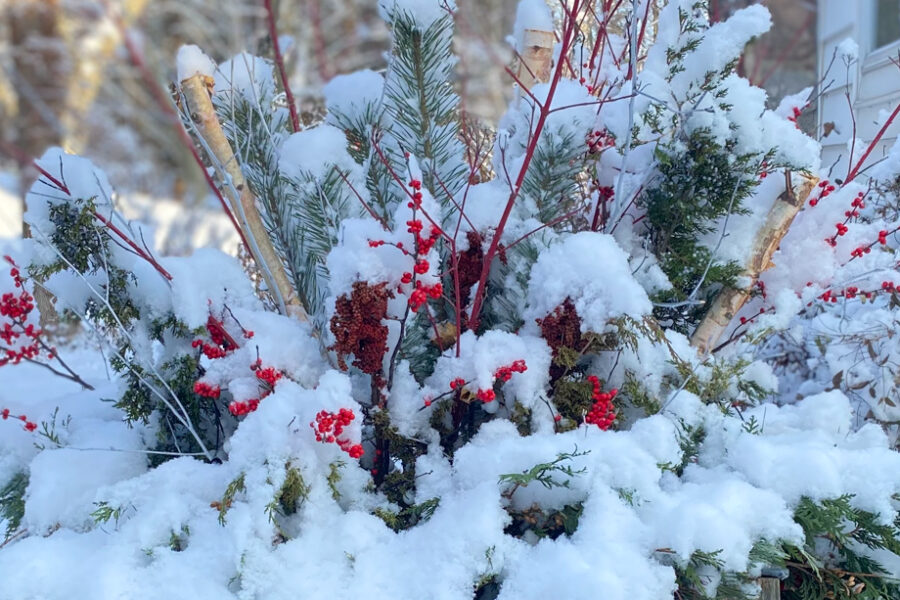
(196, 91)
(730, 300)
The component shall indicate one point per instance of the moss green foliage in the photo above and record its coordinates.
(573, 398)
(12, 502)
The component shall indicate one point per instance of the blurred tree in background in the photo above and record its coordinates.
(76, 73)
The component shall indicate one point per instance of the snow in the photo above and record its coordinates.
(531, 15)
(581, 267)
(315, 152)
(350, 95)
(191, 60)
(250, 77)
(848, 50)
(424, 12)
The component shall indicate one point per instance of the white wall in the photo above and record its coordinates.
(873, 83)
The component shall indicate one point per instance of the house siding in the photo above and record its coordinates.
(873, 83)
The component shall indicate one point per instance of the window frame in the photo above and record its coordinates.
(875, 56)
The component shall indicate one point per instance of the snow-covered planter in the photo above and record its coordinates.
(457, 368)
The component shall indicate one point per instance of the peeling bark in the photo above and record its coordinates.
(730, 300)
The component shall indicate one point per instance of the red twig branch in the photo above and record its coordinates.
(279, 60)
(855, 171)
(137, 249)
(529, 155)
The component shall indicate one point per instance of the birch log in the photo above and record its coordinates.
(536, 57)
(196, 91)
(730, 300)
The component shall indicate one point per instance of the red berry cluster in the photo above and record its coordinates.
(222, 342)
(420, 292)
(598, 141)
(207, 390)
(267, 377)
(826, 189)
(16, 307)
(602, 413)
(29, 425)
(505, 373)
(486, 396)
(329, 426)
(416, 195)
(841, 231)
(852, 292)
(797, 111)
(882, 239)
(502, 374)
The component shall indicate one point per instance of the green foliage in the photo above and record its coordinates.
(544, 473)
(179, 541)
(293, 491)
(334, 477)
(12, 502)
(49, 429)
(543, 522)
(82, 245)
(409, 516)
(699, 183)
(421, 102)
(302, 214)
(104, 512)
(234, 488)
(551, 181)
(704, 568)
(573, 398)
(690, 438)
(141, 400)
(834, 563)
